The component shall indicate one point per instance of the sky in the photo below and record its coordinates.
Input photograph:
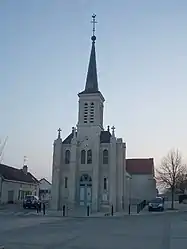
(141, 60)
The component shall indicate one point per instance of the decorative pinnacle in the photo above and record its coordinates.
(93, 29)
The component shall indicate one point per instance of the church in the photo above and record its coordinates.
(89, 165)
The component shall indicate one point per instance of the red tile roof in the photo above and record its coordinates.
(144, 166)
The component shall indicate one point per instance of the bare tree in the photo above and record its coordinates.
(170, 172)
(182, 182)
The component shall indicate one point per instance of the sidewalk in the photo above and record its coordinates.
(180, 207)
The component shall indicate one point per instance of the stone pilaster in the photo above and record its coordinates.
(112, 172)
(56, 174)
(95, 177)
(73, 169)
(120, 175)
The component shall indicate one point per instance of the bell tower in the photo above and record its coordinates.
(91, 99)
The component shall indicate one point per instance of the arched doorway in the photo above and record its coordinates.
(85, 190)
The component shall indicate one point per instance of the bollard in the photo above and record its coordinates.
(112, 211)
(88, 211)
(63, 210)
(129, 209)
(43, 208)
(138, 208)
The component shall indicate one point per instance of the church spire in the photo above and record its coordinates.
(91, 80)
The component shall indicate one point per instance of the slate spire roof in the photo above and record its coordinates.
(91, 79)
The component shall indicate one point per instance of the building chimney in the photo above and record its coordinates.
(25, 169)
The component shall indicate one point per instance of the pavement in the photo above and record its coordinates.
(165, 230)
(155, 231)
(17, 210)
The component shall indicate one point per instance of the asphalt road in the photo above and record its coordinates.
(153, 231)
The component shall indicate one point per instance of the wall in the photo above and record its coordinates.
(104, 173)
(16, 187)
(0, 187)
(45, 190)
(44, 185)
(143, 187)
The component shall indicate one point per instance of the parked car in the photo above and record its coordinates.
(156, 204)
(31, 201)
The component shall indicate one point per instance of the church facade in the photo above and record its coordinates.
(89, 165)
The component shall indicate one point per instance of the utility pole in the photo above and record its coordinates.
(2, 147)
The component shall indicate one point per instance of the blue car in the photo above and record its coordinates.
(156, 204)
(31, 201)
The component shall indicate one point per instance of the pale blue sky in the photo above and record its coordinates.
(141, 59)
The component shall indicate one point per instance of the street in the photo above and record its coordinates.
(156, 231)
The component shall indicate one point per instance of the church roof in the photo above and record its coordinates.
(137, 166)
(68, 139)
(105, 137)
(14, 174)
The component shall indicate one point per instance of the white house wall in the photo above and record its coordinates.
(143, 187)
(44, 185)
(16, 186)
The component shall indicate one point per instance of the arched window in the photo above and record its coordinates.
(67, 157)
(89, 157)
(105, 156)
(83, 156)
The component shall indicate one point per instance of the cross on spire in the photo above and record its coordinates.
(113, 129)
(93, 29)
(59, 135)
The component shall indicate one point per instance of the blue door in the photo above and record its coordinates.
(85, 190)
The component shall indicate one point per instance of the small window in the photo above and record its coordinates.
(67, 157)
(83, 156)
(85, 104)
(105, 156)
(89, 157)
(65, 182)
(91, 113)
(105, 183)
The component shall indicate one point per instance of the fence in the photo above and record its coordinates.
(141, 206)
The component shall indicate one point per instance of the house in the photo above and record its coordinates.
(16, 183)
(44, 189)
(143, 183)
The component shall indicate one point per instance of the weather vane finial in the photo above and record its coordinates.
(93, 30)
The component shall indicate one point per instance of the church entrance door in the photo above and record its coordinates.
(85, 190)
